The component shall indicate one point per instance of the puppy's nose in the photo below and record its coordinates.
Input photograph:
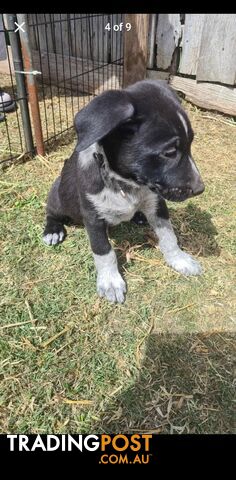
(198, 187)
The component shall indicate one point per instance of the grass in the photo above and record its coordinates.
(161, 362)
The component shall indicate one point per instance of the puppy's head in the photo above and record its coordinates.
(146, 136)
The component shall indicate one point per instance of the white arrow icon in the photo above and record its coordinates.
(19, 27)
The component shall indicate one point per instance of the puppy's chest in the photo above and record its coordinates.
(116, 206)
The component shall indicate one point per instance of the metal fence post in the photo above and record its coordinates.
(20, 81)
(31, 83)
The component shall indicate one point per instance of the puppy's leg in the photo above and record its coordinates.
(110, 284)
(177, 259)
(54, 231)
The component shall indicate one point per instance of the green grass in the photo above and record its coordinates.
(163, 361)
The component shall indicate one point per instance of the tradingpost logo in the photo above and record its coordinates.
(111, 449)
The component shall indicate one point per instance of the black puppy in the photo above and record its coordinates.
(133, 151)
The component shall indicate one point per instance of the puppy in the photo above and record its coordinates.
(133, 153)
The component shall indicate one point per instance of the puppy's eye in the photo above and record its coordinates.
(171, 152)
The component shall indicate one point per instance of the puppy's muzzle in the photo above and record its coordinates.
(179, 194)
(193, 186)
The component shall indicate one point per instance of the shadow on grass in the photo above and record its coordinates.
(194, 229)
(185, 386)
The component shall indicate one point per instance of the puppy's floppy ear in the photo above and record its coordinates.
(101, 116)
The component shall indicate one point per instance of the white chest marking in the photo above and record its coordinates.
(117, 207)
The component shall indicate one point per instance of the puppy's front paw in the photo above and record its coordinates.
(183, 263)
(54, 238)
(111, 287)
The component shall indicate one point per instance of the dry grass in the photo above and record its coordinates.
(163, 361)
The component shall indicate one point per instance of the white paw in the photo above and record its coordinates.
(183, 263)
(111, 287)
(53, 238)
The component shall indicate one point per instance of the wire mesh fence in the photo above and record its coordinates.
(78, 56)
(13, 97)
